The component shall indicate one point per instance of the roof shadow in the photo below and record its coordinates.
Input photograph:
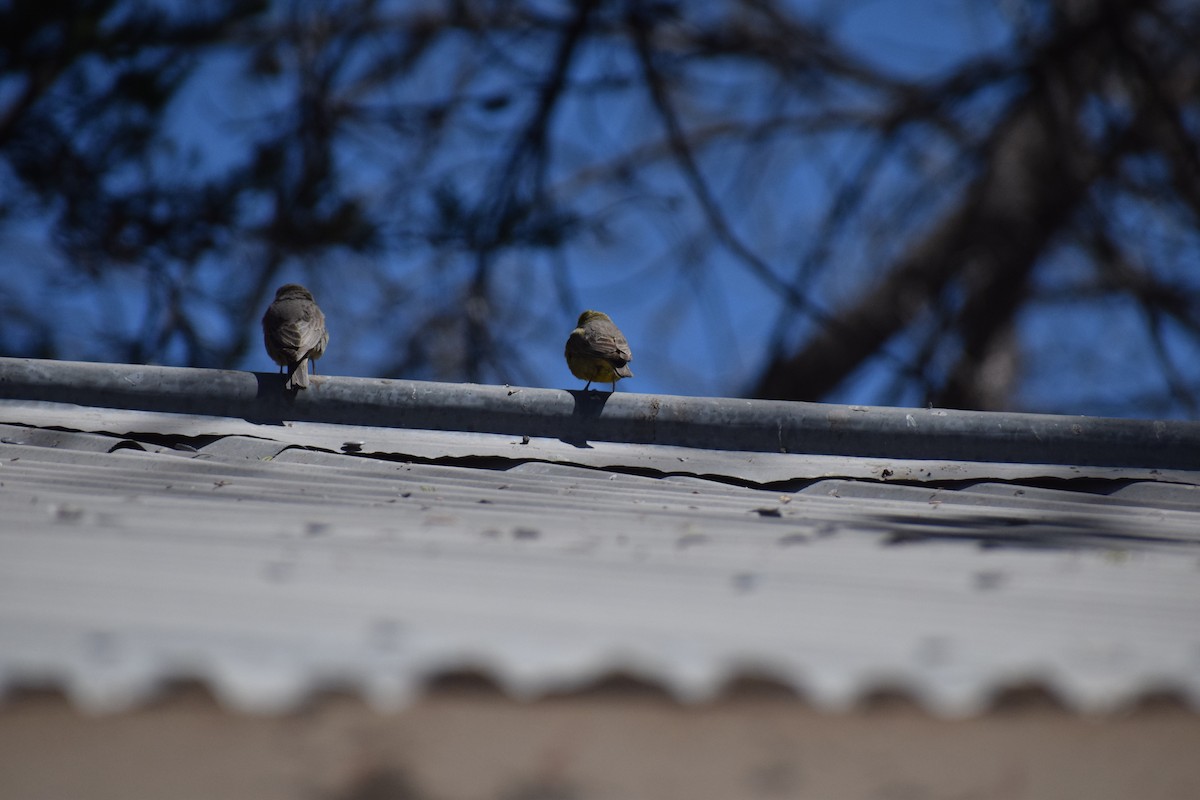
(1061, 532)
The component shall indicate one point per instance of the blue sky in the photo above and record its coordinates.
(699, 322)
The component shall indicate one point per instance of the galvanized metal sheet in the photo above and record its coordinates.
(582, 418)
(748, 466)
(268, 565)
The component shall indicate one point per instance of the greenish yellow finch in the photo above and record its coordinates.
(597, 351)
(294, 332)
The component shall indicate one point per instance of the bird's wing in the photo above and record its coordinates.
(299, 335)
(611, 346)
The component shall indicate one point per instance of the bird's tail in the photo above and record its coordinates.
(624, 371)
(298, 375)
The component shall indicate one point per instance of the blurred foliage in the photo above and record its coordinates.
(766, 201)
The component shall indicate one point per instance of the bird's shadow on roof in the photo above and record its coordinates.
(273, 399)
(589, 405)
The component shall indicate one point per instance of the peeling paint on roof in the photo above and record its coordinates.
(269, 561)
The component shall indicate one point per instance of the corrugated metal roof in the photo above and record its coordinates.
(268, 560)
(581, 419)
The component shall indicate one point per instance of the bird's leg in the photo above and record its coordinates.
(589, 385)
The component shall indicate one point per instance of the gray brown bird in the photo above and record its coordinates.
(294, 332)
(597, 350)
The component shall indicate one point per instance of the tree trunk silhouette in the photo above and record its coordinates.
(1036, 173)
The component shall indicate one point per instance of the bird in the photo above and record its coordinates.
(598, 351)
(294, 332)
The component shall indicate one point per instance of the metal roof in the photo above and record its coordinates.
(163, 524)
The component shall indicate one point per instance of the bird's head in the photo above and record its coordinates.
(291, 290)
(590, 315)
